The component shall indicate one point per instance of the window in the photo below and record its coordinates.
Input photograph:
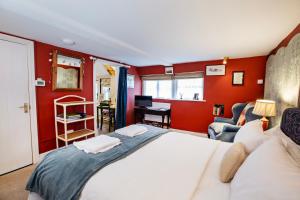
(158, 88)
(186, 86)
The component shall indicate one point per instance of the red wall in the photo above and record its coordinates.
(196, 116)
(45, 95)
(131, 93)
(187, 115)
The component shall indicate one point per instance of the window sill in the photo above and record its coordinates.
(180, 100)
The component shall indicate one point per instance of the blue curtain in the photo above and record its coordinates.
(122, 99)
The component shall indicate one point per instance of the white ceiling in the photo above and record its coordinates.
(149, 32)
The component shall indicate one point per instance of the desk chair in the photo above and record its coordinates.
(106, 109)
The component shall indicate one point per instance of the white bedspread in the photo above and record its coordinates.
(169, 168)
(210, 187)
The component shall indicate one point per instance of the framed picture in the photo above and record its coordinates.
(169, 70)
(215, 70)
(238, 78)
(67, 72)
(130, 81)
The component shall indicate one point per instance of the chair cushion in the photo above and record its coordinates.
(242, 119)
(217, 126)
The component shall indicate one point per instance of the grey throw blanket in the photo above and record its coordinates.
(64, 172)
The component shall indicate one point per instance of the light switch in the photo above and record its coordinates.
(260, 81)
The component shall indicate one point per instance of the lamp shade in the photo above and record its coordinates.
(265, 108)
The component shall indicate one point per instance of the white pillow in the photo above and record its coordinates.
(267, 174)
(251, 135)
(291, 147)
(272, 131)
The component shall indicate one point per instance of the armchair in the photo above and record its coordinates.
(225, 128)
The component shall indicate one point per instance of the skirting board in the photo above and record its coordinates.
(189, 132)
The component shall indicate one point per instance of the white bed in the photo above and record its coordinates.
(176, 166)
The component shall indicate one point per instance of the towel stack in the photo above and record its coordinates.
(132, 130)
(97, 144)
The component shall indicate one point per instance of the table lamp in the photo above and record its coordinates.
(265, 108)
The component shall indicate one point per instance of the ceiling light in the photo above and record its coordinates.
(225, 60)
(68, 41)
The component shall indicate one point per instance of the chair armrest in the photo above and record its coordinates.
(226, 136)
(224, 120)
(231, 128)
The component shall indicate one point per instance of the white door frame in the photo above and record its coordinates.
(31, 91)
(94, 82)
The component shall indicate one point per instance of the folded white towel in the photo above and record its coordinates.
(132, 130)
(97, 144)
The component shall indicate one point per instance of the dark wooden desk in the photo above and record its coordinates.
(139, 113)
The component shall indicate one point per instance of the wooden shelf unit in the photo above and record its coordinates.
(76, 135)
(69, 121)
(70, 136)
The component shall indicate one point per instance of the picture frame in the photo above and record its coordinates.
(215, 70)
(130, 81)
(67, 72)
(238, 78)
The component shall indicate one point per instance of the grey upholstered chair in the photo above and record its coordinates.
(224, 129)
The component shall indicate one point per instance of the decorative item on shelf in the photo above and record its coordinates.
(265, 108)
(218, 110)
(215, 70)
(196, 96)
(181, 95)
(238, 78)
(225, 60)
(169, 70)
(130, 81)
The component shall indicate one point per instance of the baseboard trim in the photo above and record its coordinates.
(189, 132)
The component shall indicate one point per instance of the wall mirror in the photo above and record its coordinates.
(67, 72)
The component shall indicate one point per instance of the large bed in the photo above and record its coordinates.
(176, 166)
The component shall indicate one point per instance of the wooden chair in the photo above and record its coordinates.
(106, 109)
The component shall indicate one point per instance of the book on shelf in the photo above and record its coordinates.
(70, 117)
(218, 110)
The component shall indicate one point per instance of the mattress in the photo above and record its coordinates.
(176, 166)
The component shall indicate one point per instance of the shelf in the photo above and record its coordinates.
(66, 118)
(88, 117)
(74, 103)
(76, 135)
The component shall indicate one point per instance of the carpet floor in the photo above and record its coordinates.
(12, 185)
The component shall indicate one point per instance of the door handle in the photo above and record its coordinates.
(26, 107)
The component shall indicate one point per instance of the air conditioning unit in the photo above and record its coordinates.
(169, 70)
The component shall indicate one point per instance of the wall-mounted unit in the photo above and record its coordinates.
(169, 70)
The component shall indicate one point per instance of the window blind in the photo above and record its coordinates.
(185, 75)
(188, 75)
(157, 77)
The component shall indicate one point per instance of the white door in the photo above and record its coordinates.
(15, 132)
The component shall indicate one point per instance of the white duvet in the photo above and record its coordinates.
(176, 166)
